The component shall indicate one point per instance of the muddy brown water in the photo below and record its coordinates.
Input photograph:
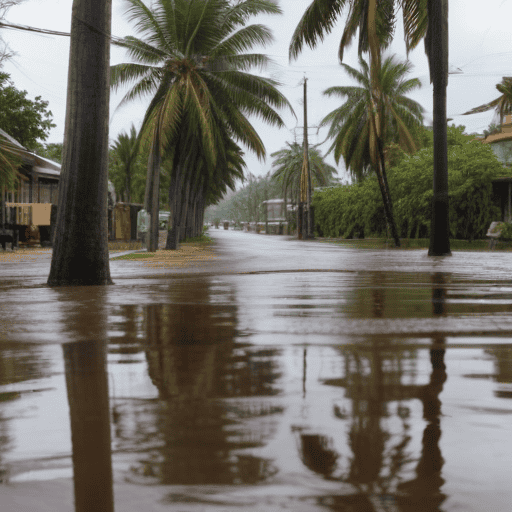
(278, 375)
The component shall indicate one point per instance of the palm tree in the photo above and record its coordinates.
(351, 125)
(125, 149)
(502, 104)
(80, 252)
(360, 130)
(287, 167)
(193, 59)
(10, 161)
(375, 21)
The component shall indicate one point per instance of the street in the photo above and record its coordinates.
(271, 374)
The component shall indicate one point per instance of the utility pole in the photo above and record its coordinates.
(305, 223)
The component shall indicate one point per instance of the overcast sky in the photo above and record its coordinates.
(480, 46)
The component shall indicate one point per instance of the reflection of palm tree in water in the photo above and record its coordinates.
(195, 364)
(423, 492)
(87, 387)
(370, 391)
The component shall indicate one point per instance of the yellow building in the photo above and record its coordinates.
(502, 142)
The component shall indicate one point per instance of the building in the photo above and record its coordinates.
(26, 209)
(502, 142)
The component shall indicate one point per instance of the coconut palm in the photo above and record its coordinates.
(287, 166)
(125, 150)
(80, 252)
(351, 125)
(193, 59)
(10, 161)
(375, 21)
(502, 104)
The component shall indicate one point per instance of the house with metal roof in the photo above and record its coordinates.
(26, 208)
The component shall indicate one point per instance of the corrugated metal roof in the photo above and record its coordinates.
(12, 140)
(46, 170)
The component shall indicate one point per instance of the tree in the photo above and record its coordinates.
(9, 163)
(125, 151)
(51, 151)
(350, 126)
(193, 61)
(350, 209)
(361, 127)
(502, 104)
(25, 120)
(287, 170)
(376, 21)
(80, 253)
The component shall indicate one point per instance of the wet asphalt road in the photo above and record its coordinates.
(279, 374)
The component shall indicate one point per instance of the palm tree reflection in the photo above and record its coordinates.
(215, 395)
(86, 381)
(374, 378)
(85, 365)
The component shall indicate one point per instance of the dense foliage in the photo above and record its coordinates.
(351, 210)
(26, 120)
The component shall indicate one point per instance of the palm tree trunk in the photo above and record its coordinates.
(378, 157)
(174, 201)
(152, 194)
(184, 209)
(80, 253)
(128, 184)
(386, 196)
(437, 50)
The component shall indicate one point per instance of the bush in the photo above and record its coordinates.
(348, 210)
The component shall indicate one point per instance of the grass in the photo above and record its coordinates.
(419, 243)
(201, 239)
(136, 256)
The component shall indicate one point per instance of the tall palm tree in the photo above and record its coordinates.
(502, 104)
(375, 21)
(287, 166)
(126, 150)
(80, 251)
(361, 126)
(351, 125)
(193, 60)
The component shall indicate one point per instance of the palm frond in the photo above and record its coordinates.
(318, 21)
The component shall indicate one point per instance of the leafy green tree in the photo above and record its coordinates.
(347, 210)
(246, 204)
(26, 120)
(193, 60)
(51, 151)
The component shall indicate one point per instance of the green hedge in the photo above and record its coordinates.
(354, 210)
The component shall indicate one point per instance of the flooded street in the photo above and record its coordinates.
(274, 375)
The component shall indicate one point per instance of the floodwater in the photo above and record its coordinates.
(279, 375)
